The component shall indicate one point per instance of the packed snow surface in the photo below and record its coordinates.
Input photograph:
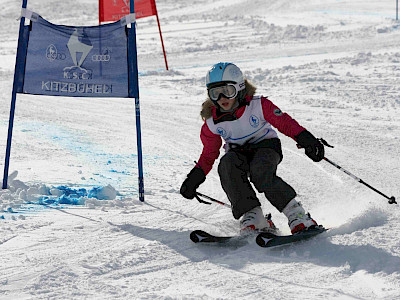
(71, 224)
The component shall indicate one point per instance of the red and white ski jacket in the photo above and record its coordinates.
(252, 123)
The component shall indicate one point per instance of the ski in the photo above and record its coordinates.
(267, 240)
(235, 241)
(200, 236)
(263, 239)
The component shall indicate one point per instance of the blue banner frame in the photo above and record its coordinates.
(79, 77)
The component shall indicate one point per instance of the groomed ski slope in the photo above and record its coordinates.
(333, 65)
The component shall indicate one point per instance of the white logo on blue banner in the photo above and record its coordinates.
(77, 61)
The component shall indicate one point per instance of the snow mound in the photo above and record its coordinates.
(372, 217)
(19, 194)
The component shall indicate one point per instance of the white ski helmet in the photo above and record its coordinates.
(221, 73)
(224, 72)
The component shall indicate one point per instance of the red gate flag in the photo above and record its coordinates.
(113, 10)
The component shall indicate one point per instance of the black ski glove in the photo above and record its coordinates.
(314, 148)
(192, 182)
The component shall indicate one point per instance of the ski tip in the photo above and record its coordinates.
(194, 238)
(197, 235)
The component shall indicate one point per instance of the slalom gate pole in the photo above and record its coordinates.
(154, 6)
(211, 199)
(392, 199)
(21, 48)
(134, 93)
(162, 42)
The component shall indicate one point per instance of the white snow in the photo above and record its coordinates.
(72, 226)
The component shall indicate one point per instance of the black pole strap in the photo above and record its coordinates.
(209, 198)
(202, 201)
(325, 143)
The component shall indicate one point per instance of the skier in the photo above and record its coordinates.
(253, 150)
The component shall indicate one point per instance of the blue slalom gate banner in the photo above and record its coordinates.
(76, 61)
(68, 61)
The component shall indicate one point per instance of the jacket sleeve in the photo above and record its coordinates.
(280, 120)
(211, 145)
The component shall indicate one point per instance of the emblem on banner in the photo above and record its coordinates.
(52, 53)
(79, 47)
(124, 9)
(101, 57)
(79, 44)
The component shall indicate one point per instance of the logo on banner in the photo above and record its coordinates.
(52, 53)
(102, 57)
(79, 47)
(124, 9)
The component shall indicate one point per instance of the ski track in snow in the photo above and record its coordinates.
(334, 65)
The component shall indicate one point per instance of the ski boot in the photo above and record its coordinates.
(298, 219)
(254, 221)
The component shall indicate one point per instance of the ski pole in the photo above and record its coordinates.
(392, 199)
(209, 198)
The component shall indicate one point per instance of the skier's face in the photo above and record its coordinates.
(225, 103)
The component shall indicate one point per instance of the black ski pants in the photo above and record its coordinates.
(237, 168)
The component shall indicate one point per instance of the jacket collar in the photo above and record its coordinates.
(219, 116)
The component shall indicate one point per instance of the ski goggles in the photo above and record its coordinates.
(228, 90)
